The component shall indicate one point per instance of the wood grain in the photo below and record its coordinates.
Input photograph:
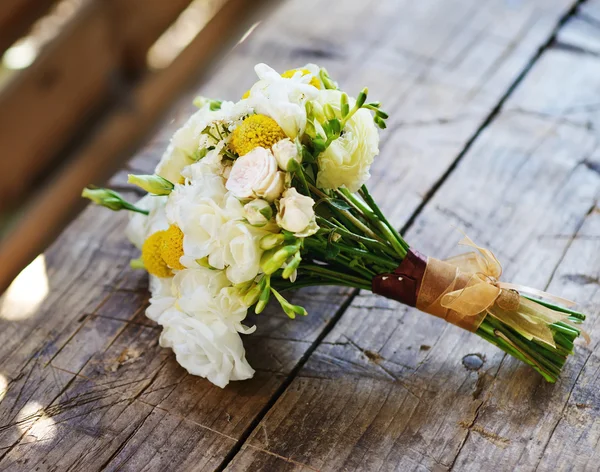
(88, 386)
(393, 389)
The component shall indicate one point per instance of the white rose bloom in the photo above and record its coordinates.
(256, 174)
(286, 151)
(141, 226)
(297, 214)
(201, 315)
(282, 99)
(205, 348)
(346, 162)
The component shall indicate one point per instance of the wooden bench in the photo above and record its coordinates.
(494, 128)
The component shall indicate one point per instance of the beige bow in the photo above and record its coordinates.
(466, 288)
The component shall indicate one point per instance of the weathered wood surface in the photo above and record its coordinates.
(89, 388)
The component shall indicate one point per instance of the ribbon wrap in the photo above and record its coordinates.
(465, 289)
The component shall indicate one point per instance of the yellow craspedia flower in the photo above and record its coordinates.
(151, 256)
(171, 248)
(256, 131)
(288, 74)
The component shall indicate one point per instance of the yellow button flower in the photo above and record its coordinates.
(151, 256)
(288, 74)
(171, 248)
(256, 131)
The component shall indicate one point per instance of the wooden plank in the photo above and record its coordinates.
(391, 388)
(45, 103)
(109, 412)
(17, 16)
(140, 23)
(59, 200)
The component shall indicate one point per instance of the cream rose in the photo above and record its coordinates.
(205, 348)
(256, 175)
(296, 214)
(286, 151)
(347, 160)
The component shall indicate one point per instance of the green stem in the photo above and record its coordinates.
(364, 193)
(333, 275)
(370, 215)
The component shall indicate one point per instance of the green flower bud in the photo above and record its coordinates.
(288, 308)
(345, 108)
(265, 294)
(109, 199)
(273, 259)
(292, 266)
(252, 295)
(329, 111)
(154, 184)
(271, 240)
(362, 97)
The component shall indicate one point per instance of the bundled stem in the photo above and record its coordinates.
(357, 242)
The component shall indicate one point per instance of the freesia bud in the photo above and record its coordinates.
(329, 112)
(109, 199)
(273, 259)
(153, 184)
(288, 308)
(258, 212)
(271, 240)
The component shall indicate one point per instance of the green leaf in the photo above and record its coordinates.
(331, 250)
(340, 204)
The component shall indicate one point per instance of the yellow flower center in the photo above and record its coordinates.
(151, 256)
(288, 74)
(171, 248)
(255, 131)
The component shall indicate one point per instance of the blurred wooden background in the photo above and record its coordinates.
(81, 83)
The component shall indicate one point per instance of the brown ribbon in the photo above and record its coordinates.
(464, 289)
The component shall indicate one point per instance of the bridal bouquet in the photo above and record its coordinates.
(268, 194)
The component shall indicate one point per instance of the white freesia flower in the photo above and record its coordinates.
(141, 226)
(189, 138)
(297, 214)
(241, 250)
(282, 98)
(258, 212)
(286, 151)
(347, 160)
(200, 209)
(256, 174)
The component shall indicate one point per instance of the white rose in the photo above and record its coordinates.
(256, 174)
(141, 226)
(205, 348)
(297, 214)
(286, 151)
(258, 212)
(241, 250)
(347, 160)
